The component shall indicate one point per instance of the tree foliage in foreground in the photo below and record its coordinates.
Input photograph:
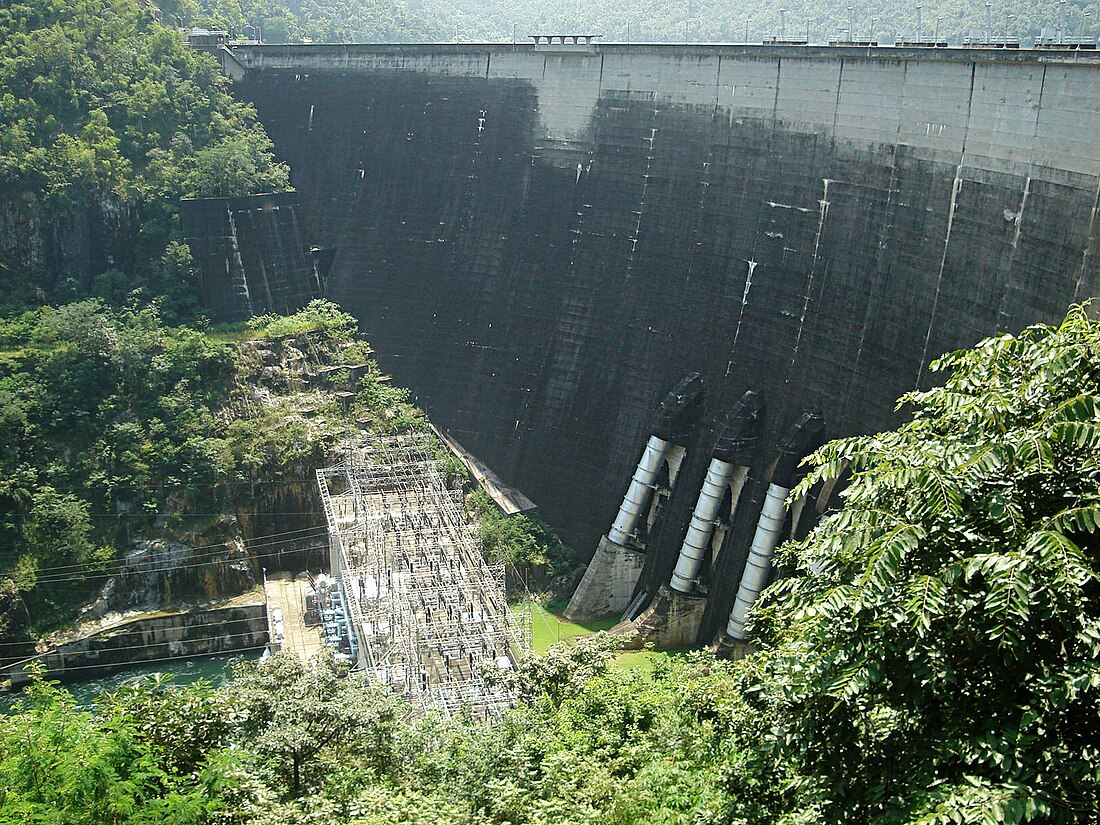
(64, 765)
(292, 712)
(936, 655)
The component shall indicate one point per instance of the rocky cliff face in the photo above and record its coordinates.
(272, 520)
(159, 572)
(42, 247)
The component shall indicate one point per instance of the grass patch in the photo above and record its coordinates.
(548, 627)
(644, 661)
(233, 333)
(638, 660)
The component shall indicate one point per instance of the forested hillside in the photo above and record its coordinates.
(930, 657)
(106, 120)
(330, 21)
(117, 429)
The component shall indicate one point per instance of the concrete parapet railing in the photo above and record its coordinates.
(343, 56)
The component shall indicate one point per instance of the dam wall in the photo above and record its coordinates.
(250, 255)
(541, 242)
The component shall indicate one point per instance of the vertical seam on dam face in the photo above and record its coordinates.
(1090, 239)
(839, 89)
(956, 187)
(717, 85)
(882, 244)
(488, 267)
(775, 103)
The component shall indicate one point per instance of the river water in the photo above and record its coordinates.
(213, 669)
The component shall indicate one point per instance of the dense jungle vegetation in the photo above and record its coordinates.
(930, 656)
(102, 106)
(335, 21)
(115, 426)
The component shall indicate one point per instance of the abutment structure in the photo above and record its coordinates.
(429, 616)
(540, 242)
(251, 255)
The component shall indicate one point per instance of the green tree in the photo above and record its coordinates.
(564, 670)
(181, 725)
(933, 656)
(295, 713)
(58, 527)
(520, 540)
(59, 764)
(107, 114)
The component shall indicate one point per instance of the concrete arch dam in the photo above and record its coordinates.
(540, 240)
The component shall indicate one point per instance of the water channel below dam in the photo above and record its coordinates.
(214, 669)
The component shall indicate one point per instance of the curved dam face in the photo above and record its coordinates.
(540, 243)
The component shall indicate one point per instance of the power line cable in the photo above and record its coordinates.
(165, 658)
(215, 549)
(189, 484)
(56, 648)
(123, 630)
(91, 576)
(189, 513)
(248, 543)
(168, 569)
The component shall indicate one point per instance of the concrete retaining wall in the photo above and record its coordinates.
(150, 639)
(250, 253)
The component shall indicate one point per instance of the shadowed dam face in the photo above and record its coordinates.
(540, 244)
